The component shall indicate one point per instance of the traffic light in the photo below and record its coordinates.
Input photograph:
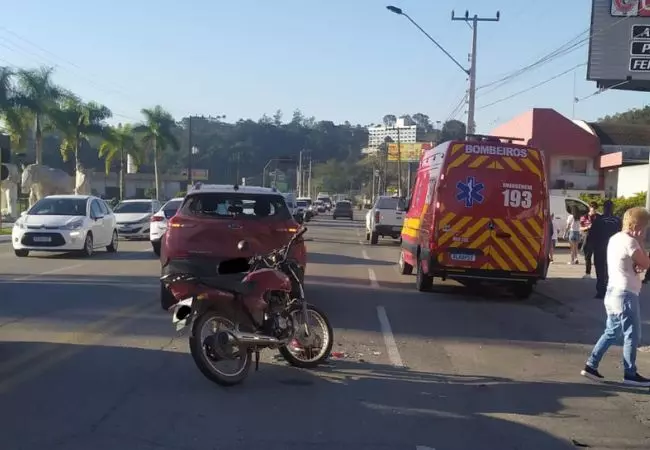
(5, 156)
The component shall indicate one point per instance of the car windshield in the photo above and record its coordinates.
(170, 208)
(301, 204)
(343, 205)
(237, 205)
(133, 207)
(59, 207)
(388, 203)
(307, 201)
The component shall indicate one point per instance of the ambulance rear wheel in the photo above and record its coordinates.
(374, 238)
(404, 267)
(423, 281)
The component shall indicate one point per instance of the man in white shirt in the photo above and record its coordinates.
(626, 257)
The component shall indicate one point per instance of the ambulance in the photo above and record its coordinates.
(479, 211)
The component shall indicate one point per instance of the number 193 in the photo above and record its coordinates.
(516, 198)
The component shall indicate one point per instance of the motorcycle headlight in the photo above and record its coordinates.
(74, 225)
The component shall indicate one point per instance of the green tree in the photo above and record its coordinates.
(119, 142)
(78, 121)
(38, 94)
(158, 135)
(16, 120)
(389, 120)
(452, 130)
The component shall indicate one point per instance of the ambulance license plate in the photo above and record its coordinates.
(465, 257)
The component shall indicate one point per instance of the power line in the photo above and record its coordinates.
(570, 46)
(535, 86)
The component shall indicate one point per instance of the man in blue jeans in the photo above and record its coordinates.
(626, 257)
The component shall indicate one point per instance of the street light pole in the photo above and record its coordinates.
(471, 72)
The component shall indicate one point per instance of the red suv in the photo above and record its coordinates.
(213, 219)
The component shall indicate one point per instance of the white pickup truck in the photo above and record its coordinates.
(385, 219)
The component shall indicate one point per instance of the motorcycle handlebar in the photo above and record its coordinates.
(282, 252)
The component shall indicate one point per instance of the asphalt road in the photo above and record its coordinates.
(89, 360)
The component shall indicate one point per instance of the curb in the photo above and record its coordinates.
(5, 238)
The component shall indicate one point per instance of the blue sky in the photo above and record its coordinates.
(333, 59)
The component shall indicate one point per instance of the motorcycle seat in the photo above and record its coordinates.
(228, 283)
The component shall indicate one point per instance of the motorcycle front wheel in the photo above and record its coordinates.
(207, 356)
(306, 349)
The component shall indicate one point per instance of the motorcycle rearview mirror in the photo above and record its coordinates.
(243, 246)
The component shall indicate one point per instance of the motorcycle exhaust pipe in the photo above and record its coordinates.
(246, 339)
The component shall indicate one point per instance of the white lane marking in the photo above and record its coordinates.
(365, 254)
(373, 278)
(48, 272)
(423, 447)
(389, 339)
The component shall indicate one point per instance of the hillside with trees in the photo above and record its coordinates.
(49, 124)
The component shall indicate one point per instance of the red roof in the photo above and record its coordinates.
(550, 131)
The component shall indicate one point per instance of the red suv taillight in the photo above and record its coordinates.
(377, 216)
(157, 218)
(179, 222)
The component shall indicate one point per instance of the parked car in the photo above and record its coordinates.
(384, 219)
(158, 225)
(134, 216)
(213, 219)
(63, 223)
(343, 209)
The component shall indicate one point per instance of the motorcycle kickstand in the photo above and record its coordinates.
(257, 360)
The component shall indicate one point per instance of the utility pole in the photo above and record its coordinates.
(189, 155)
(399, 165)
(309, 179)
(300, 174)
(471, 97)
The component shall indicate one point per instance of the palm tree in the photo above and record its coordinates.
(78, 121)
(120, 142)
(157, 134)
(17, 120)
(38, 94)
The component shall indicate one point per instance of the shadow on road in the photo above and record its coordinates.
(328, 258)
(82, 395)
(100, 254)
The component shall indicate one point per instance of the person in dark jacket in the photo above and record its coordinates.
(602, 228)
(585, 226)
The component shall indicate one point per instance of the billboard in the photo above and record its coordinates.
(619, 44)
(410, 152)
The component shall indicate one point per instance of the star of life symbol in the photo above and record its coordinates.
(470, 192)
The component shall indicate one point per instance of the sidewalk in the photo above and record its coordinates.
(571, 294)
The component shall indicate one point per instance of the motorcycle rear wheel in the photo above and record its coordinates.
(203, 361)
(324, 351)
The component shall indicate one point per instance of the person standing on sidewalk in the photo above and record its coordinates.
(573, 234)
(625, 258)
(585, 226)
(602, 228)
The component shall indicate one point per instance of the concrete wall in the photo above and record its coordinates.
(632, 180)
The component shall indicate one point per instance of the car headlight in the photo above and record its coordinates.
(19, 224)
(74, 225)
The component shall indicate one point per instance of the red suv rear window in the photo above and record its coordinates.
(228, 205)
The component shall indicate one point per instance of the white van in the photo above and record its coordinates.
(561, 208)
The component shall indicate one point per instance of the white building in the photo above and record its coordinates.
(378, 134)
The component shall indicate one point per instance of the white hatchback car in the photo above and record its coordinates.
(159, 221)
(133, 217)
(63, 223)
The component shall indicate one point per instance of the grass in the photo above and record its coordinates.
(5, 231)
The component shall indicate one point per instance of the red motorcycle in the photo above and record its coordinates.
(233, 318)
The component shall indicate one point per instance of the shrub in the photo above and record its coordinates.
(621, 204)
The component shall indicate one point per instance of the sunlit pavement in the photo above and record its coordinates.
(89, 360)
